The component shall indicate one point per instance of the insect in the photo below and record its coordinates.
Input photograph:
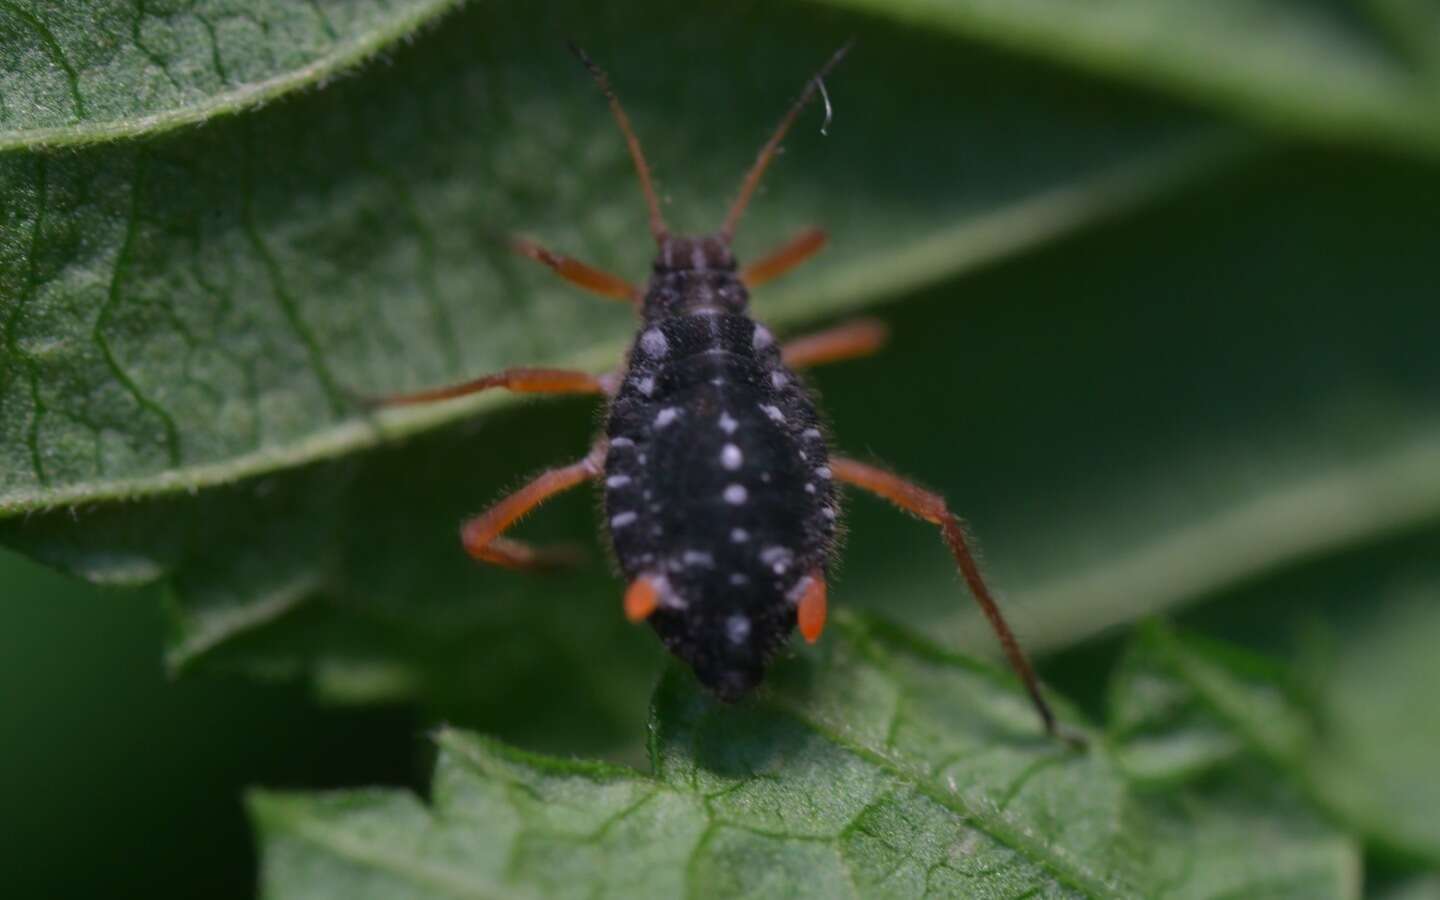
(720, 490)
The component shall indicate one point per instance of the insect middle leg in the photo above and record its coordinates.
(932, 508)
(786, 257)
(848, 340)
(483, 537)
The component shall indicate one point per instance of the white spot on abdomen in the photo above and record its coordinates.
(698, 558)
(666, 416)
(739, 535)
(617, 481)
(728, 424)
(735, 494)
(763, 337)
(777, 558)
(653, 342)
(731, 457)
(773, 412)
(737, 628)
(620, 520)
(645, 385)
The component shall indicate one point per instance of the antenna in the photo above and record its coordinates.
(657, 221)
(767, 152)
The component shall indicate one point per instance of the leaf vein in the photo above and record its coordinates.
(1066, 870)
(56, 52)
(112, 301)
(288, 306)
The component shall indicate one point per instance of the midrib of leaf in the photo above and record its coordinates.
(344, 55)
(970, 244)
(1334, 92)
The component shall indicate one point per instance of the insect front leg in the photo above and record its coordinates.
(932, 508)
(521, 380)
(789, 255)
(582, 275)
(483, 537)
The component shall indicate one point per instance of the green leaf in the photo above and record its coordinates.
(1360, 748)
(887, 768)
(1362, 72)
(109, 69)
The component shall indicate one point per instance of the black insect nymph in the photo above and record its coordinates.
(719, 485)
(717, 480)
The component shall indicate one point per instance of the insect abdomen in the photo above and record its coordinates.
(717, 482)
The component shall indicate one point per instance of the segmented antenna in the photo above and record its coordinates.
(657, 221)
(767, 152)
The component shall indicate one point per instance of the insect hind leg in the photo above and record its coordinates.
(932, 508)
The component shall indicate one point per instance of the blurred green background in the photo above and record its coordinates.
(120, 782)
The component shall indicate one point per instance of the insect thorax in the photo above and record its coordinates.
(717, 483)
(694, 274)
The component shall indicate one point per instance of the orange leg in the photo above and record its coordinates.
(482, 534)
(791, 254)
(848, 340)
(578, 273)
(932, 508)
(524, 381)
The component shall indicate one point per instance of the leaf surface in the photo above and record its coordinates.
(101, 70)
(885, 769)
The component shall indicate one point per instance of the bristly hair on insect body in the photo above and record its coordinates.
(720, 490)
